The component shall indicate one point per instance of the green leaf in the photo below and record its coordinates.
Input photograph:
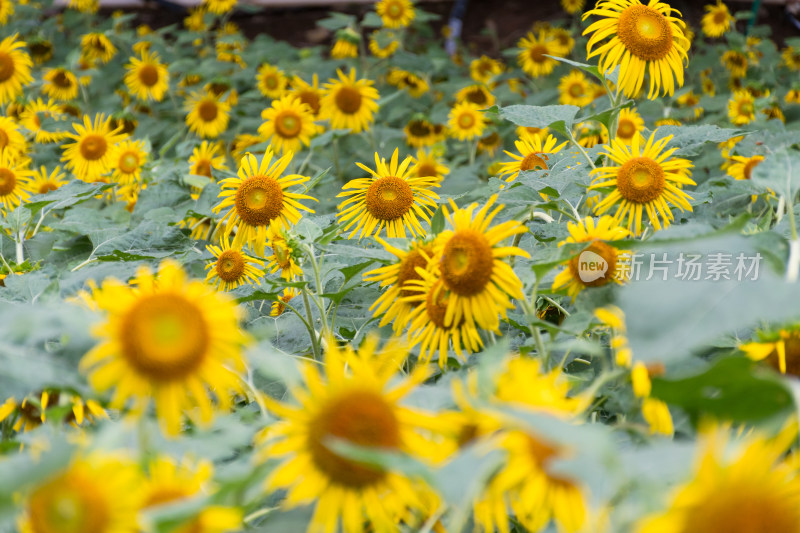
(779, 172)
(690, 139)
(72, 193)
(437, 221)
(557, 117)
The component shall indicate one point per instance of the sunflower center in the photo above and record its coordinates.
(476, 96)
(62, 80)
(164, 337)
(7, 66)
(792, 349)
(537, 53)
(746, 108)
(394, 10)
(575, 90)
(467, 262)
(720, 17)
(311, 99)
(640, 180)
(466, 121)
(148, 75)
(419, 128)
(348, 100)
(436, 306)
(93, 147)
(230, 265)
(129, 162)
(749, 166)
(259, 200)
(203, 168)
(69, 503)
(207, 110)
(534, 162)
(3, 139)
(626, 129)
(426, 170)
(271, 82)
(645, 32)
(585, 263)
(389, 198)
(8, 181)
(164, 495)
(363, 418)
(288, 124)
(408, 271)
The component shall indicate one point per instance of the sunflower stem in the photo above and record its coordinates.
(530, 310)
(20, 251)
(580, 148)
(336, 158)
(473, 151)
(311, 331)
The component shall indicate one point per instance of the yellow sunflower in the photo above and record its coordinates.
(91, 155)
(707, 84)
(781, 350)
(308, 93)
(232, 267)
(11, 139)
(522, 131)
(97, 48)
(346, 44)
(642, 38)
(792, 96)
(534, 152)
(741, 108)
(97, 493)
(466, 121)
(258, 198)
(395, 13)
(666, 122)
(147, 78)
(478, 283)
(207, 115)
(383, 44)
(23, 416)
(484, 69)
(691, 101)
(15, 182)
(351, 401)
(534, 50)
(279, 305)
(128, 158)
(42, 182)
(15, 68)
(288, 124)
(206, 158)
(284, 254)
(629, 125)
(572, 7)
(31, 119)
(735, 62)
(490, 143)
(644, 178)
(166, 339)
(575, 89)
(717, 19)
(6, 10)
(349, 104)
(60, 84)
(428, 166)
(742, 167)
(598, 263)
(791, 58)
(219, 7)
(391, 197)
(478, 94)
(590, 133)
(419, 133)
(271, 81)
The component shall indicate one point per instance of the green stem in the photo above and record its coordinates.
(20, 251)
(580, 148)
(311, 331)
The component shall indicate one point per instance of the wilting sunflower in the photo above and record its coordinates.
(644, 179)
(346, 45)
(391, 197)
(781, 349)
(207, 115)
(258, 198)
(755, 488)
(90, 156)
(206, 158)
(349, 103)
(383, 44)
(285, 254)
(15, 68)
(476, 94)
(288, 124)
(428, 166)
(735, 62)
(742, 167)
(166, 339)
(96, 48)
(395, 13)
(309, 94)
(60, 84)
(466, 121)
(232, 267)
(147, 78)
(717, 19)
(575, 89)
(271, 81)
(484, 69)
(532, 57)
(97, 493)
(15, 182)
(127, 160)
(11, 139)
(577, 276)
(629, 125)
(477, 280)
(741, 108)
(42, 182)
(350, 401)
(643, 38)
(534, 152)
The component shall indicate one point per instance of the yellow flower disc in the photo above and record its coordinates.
(259, 200)
(608, 253)
(230, 265)
(645, 32)
(8, 180)
(641, 180)
(389, 198)
(467, 262)
(348, 100)
(93, 147)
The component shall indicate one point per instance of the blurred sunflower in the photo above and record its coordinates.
(97, 48)
(128, 158)
(279, 305)
(147, 78)
(23, 416)
(629, 125)
(284, 254)
(742, 167)
(349, 103)
(271, 81)
(206, 158)
(11, 139)
(207, 116)
(707, 84)
(351, 401)
(419, 132)
(169, 340)
(573, 7)
(91, 155)
(389, 198)
(466, 121)
(288, 124)
(534, 50)
(15, 68)
(484, 69)
(6, 10)
(590, 133)
(644, 179)
(346, 44)
(309, 94)
(60, 84)
(428, 166)
(717, 19)
(791, 58)
(575, 89)
(643, 38)
(232, 267)
(781, 349)
(258, 198)
(534, 152)
(403, 79)
(735, 62)
(741, 108)
(42, 182)
(477, 94)
(383, 44)
(563, 38)
(395, 13)
(219, 7)
(490, 143)
(792, 96)
(691, 101)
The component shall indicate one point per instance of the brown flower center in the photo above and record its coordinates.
(148, 75)
(288, 124)
(69, 503)
(626, 129)
(3, 139)
(419, 128)
(129, 162)
(207, 110)
(202, 168)
(466, 121)
(348, 100)
(427, 170)
(436, 306)
(408, 271)
(62, 80)
(749, 166)
(534, 161)
(389, 198)
(259, 200)
(467, 262)
(46, 187)
(7, 66)
(93, 147)
(8, 181)
(311, 99)
(645, 32)
(537, 53)
(640, 180)
(477, 96)
(230, 265)
(586, 268)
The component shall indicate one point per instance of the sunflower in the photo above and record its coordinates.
(207, 115)
(403, 79)
(477, 94)
(383, 44)
(128, 158)
(478, 283)
(644, 178)
(219, 7)
(735, 62)
(15, 68)
(346, 44)
(484, 69)
(279, 305)
(232, 267)
(15, 182)
(271, 81)
(390, 198)
(742, 167)
(258, 198)
(85, 6)
(23, 416)
(741, 108)
(395, 13)
(691, 101)
(750, 488)
(717, 19)
(349, 104)
(168, 339)
(79, 410)
(563, 38)
(781, 350)
(284, 254)
(428, 166)
(96, 48)
(572, 7)
(31, 119)
(575, 89)
(466, 121)
(309, 94)
(791, 58)
(419, 133)
(523, 131)
(42, 182)
(351, 401)
(642, 38)
(288, 124)
(91, 155)
(590, 133)
(11, 139)
(206, 158)
(147, 78)
(629, 125)
(534, 50)
(577, 276)
(6, 10)
(792, 96)
(534, 152)
(60, 84)
(667, 122)
(97, 493)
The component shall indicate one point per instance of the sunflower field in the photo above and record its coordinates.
(385, 284)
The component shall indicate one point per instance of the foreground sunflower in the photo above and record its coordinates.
(642, 38)
(232, 267)
(207, 115)
(349, 103)
(146, 77)
(534, 152)
(351, 401)
(15, 68)
(644, 179)
(717, 19)
(91, 155)
(395, 13)
(258, 197)
(15, 182)
(167, 339)
(390, 198)
(288, 124)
